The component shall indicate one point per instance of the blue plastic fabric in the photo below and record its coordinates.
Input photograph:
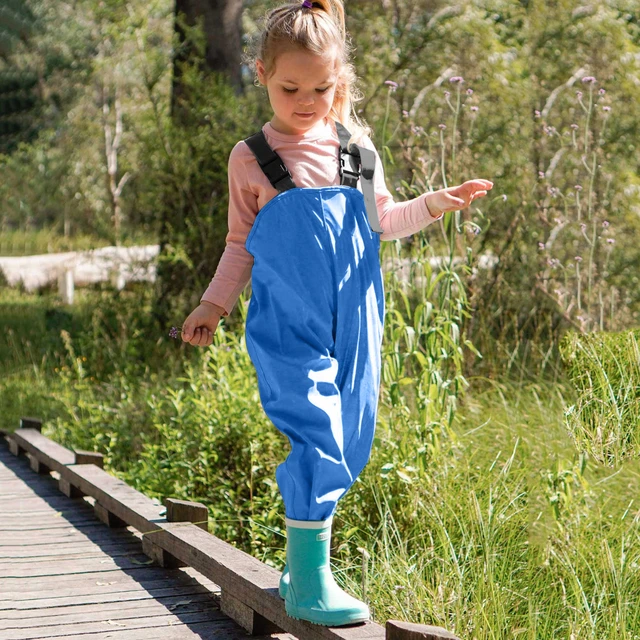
(314, 334)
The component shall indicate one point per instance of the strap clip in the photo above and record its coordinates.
(276, 171)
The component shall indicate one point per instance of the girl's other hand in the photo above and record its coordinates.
(201, 324)
(454, 198)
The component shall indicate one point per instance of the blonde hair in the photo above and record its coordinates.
(316, 30)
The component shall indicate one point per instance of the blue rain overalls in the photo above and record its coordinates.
(315, 324)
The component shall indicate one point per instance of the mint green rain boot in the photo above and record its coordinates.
(313, 593)
(284, 582)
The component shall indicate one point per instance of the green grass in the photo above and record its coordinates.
(490, 524)
(27, 243)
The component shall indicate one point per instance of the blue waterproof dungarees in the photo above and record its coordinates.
(314, 334)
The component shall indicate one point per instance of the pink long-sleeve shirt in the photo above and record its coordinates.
(312, 160)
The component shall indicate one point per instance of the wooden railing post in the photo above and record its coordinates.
(177, 511)
(89, 457)
(398, 630)
(31, 423)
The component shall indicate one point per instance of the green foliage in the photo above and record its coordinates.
(49, 240)
(604, 369)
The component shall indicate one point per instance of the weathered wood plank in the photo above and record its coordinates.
(116, 496)
(147, 577)
(62, 567)
(156, 623)
(31, 423)
(398, 630)
(89, 457)
(50, 453)
(109, 593)
(194, 631)
(51, 552)
(28, 619)
(185, 511)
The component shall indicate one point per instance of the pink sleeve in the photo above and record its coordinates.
(234, 269)
(398, 219)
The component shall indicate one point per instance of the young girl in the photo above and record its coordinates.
(309, 241)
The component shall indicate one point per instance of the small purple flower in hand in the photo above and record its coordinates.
(173, 332)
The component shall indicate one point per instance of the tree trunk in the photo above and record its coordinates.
(223, 37)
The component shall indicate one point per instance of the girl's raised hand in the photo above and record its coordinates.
(454, 198)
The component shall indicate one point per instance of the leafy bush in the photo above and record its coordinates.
(604, 368)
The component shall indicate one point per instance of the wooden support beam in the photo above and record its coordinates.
(37, 466)
(68, 489)
(110, 519)
(398, 630)
(89, 457)
(31, 423)
(246, 617)
(184, 511)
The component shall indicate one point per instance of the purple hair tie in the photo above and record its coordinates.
(307, 4)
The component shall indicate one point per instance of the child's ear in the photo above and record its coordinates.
(260, 71)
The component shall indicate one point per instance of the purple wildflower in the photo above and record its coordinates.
(447, 94)
(173, 332)
(579, 94)
(469, 92)
(578, 259)
(541, 246)
(537, 113)
(540, 174)
(459, 79)
(601, 92)
(392, 85)
(583, 227)
(474, 108)
(590, 79)
(605, 223)
(606, 108)
(405, 113)
(442, 126)
(577, 187)
(610, 240)
(574, 126)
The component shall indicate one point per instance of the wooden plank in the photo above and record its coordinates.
(148, 577)
(31, 423)
(398, 630)
(89, 457)
(49, 551)
(50, 453)
(101, 626)
(107, 594)
(185, 511)
(116, 496)
(27, 619)
(194, 631)
(58, 528)
(61, 567)
(70, 537)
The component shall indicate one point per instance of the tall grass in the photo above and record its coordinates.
(605, 371)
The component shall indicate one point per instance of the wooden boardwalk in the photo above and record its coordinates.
(64, 574)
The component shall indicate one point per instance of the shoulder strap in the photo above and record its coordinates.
(358, 157)
(270, 162)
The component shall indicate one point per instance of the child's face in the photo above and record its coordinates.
(303, 83)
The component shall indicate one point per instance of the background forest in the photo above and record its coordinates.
(500, 500)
